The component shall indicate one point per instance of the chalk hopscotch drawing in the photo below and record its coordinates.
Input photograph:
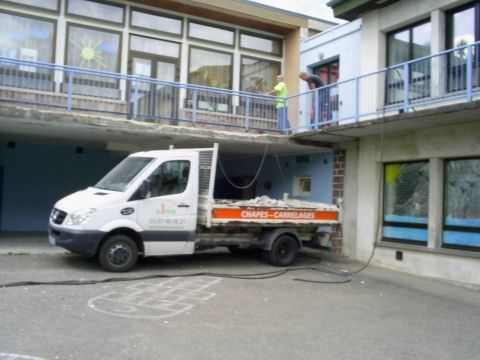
(161, 300)
(5, 356)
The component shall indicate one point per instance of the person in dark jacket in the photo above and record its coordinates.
(314, 82)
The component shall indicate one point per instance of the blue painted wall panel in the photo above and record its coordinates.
(36, 176)
(461, 238)
(319, 167)
(402, 233)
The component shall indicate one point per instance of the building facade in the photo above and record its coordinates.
(83, 83)
(410, 133)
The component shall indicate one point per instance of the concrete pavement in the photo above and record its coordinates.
(381, 314)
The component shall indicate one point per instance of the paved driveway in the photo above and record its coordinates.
(381, 314)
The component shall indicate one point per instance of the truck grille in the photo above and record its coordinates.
(58, 216)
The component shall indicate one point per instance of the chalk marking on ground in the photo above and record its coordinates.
(161, 300)
(6, 356)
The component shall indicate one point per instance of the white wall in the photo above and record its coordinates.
(341, 42)
(456, 141)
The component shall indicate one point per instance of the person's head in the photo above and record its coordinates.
(303, 75)
(279, 78)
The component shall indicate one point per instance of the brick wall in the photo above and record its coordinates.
(338, 185)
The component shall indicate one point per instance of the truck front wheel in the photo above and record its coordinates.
(284, 251)
(118, 253)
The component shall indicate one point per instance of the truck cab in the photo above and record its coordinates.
(149, 200)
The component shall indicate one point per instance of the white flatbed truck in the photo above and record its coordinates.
(161, 203)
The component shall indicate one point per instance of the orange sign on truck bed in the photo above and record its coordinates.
(276, 214)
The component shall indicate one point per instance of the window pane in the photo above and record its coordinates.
(462, 31)
(462, 203)
(421, 38)
(45, 4)
(25, 38)
(211, 33)
(169, 179)
(258, 75)
(273, 46)
(123, 174)
(210, 68)
(398, 47)
(154, 46)
(406, 202)
(156, 22)
(95, 49)
(96, 10)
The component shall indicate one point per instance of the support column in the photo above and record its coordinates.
(336, 236)
(435, 203)
(438, 64)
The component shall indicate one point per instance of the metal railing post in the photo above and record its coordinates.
(69, 90)
(194, 106)
(406, 86)
(135, 99)
(357, 99)
(247, 114)
(317, 108)
(469, 73)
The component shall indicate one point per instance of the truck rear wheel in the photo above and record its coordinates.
(284, 251)
(118, 253)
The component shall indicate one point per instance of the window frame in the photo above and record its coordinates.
(449, 21)
(410, 28)
(445, 227)
(243, 56)
(160, 166)
(221, 27)
(40, 18)
(267, 37)
(383, 239)
(96, 19)
(297, 191)
(231, 54)
(34, 8)
(90, 27)
(155, 13)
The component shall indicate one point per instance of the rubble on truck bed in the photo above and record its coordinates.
(265, 201)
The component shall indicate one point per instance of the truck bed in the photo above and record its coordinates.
(266, 211)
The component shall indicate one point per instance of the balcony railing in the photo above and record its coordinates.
(138, 98)
(446, 77)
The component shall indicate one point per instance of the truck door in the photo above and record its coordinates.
(168, 213)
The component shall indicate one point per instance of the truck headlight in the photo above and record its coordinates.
(79, 217)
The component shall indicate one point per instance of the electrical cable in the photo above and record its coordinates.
(246, 276)
(250, 184)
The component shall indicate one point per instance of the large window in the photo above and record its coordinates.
(404, 45)
(405, 213)
(28, 39)
(462, 204)
(94, 49)
(43, 4)
(261, 43)
(211, 33)
(97, 10)
(258, 75)
(210, 68)
(156, 22)
(462, 29)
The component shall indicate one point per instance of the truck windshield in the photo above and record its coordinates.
(122, 174)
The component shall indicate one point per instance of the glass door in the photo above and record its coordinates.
(155, 101)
